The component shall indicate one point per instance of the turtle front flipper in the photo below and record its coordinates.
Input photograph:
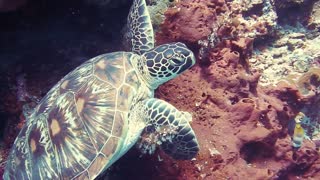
(139, 35)
(169, 128)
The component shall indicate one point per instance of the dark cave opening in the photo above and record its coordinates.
(293, 13)
(255, 151)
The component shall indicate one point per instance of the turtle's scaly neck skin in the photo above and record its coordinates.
(139, 64)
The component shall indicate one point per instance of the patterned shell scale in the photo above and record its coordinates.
(79, 126)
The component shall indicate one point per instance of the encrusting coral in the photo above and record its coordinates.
(155, 136)
(245, 122)
(241, 111)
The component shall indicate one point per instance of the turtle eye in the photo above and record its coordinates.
(176, 61)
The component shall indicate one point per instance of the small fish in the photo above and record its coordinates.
(299, 117)
(298, 136)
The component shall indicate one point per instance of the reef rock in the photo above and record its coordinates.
(314, 21)
(189, 21)
(246, 122)
(252, 77)
(294, 52)
(157, 10)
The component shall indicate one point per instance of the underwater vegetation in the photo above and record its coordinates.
(257, 72)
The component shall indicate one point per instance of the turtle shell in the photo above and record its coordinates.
(79, 127)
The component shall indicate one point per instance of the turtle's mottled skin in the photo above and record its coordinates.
(97, 112)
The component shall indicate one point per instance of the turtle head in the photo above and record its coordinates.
(166, 61)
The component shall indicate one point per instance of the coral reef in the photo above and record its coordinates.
(189, 21)
(157, 9)
(294, 52)
(314, 21)
(254, 75)
(241, 121)
(234, 117)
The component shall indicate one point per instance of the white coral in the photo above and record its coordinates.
(149, 141)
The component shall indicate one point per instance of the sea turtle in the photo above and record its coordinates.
(97, 112)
